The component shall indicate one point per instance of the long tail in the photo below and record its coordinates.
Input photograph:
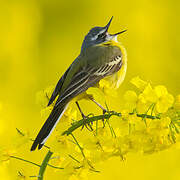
(48, 127)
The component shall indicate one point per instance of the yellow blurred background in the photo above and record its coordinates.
(39, 40)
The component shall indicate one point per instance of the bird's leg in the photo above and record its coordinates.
(89, 127)
(103, 109)
(82, 114)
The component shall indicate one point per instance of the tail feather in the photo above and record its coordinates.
(48, 127)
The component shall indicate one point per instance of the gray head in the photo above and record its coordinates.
(98, 35)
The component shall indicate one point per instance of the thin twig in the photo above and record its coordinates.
(81, 122)
(21, 159)
(81, 149)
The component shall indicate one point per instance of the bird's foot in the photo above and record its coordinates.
(104, 112)
(86, 124)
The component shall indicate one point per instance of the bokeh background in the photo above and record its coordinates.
(39, 40)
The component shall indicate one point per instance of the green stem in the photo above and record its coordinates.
(81, 149)
(44, 165)
(81, 122)
(55, 167)
(21, 159)
(96, 128)
(111, 129)
(73, 158)
(14, 157)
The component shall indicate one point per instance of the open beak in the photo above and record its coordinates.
(107, 27)
(108, 24)
(118, 33)
(111, 36)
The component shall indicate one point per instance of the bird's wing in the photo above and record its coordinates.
(65, 79)
(58, 87)
(87, 77)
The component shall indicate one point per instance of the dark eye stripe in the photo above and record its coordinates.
(101, 36)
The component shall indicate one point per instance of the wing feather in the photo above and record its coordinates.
(58, 87)
(89, 77)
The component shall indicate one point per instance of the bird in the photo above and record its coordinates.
(102, 56)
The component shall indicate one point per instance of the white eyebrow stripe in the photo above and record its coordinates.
(96, 36)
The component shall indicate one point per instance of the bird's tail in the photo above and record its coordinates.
(48, 126)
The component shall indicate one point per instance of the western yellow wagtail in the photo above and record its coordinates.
(102, 56)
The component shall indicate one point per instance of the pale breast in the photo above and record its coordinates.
(115, 80)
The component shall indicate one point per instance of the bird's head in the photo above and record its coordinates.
(99, 35)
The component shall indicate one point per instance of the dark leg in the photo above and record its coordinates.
(82, 114)
(88, 126)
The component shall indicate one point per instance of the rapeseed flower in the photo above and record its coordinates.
(149, 122)
(177, 102)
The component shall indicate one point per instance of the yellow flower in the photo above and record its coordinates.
(5, 155)
(104, 84)
(22, 175)
(159, 96)
(70, 115)
(130, 100)
(139, 83)
(4, 172)
(61, 144)
(117, 132)
(107, 88)
(120, 135)
(48, 91)
(97, 94)
(73, 177)
(86, 152)
(124, 114)
(103, 134)
(148, 95)
(83, 174)
(57, 160)
(177, 102)
(43, 96)
(142, 105)
(45, 112)
(21, 138)
(133, 119)
(165, 100)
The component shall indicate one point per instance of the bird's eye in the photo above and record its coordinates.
(100, 36)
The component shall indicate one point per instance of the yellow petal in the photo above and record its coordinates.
(164, 103)
(149, 94)
(104, 84)
(96, 93)
(139, 83)
(130, 96)
(45, 112)
(73, 177)
(177, 102)
(161, 90)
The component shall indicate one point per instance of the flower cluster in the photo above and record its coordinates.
(148, 122)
